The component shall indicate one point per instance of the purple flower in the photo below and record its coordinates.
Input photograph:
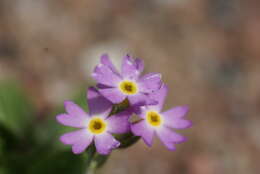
(116, 86)
(95, 126)
(161, 123)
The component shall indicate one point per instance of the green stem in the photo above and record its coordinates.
(96, 160)
(90, 153)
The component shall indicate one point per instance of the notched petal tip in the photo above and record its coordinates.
(131, 68)
(67, 103)
(185, 108)
(116, 145)
(59, 118)
(171, 148)
(64, 140)
(106, 74)
(189, 124)
(128, 57)
(104, 56)
(150, 83)
(139, 65)
(185, 124)
(69, 106)
(164, 87)
(177, 112)
(185, 139)
(105, 143)
(93, 75)
(77, 149)
(146, 133)
(148, 143)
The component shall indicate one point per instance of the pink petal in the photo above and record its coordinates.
(169, 137)
(150, 82)
(159, 96)
(131, 68)
(106, 61)
(73, 121)
(79, 140)
(141, 129)
(104, 75)
(74, 110)
(113, 94)
(97, 103)
(118, 123)
(105, 143)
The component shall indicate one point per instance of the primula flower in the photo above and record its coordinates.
(116, 86)
(161, 123)
(95, 126)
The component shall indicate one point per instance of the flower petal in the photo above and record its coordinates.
(79, 139)
(169, 137)
(105, 143)
(74, 110)
(130, 69)
(150, 82)
(113, 95)
(177, 123)
(139, 65)
(141, 129)
(177, 112)
(140, 111)
(118, 123)
(101, 86)
(141, 99)
(159, 96)
(106, 61)
(174, 118)
(97, 103)
(73, 121)
(104, 75)
(74, 137)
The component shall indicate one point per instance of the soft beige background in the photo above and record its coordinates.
(208, 52)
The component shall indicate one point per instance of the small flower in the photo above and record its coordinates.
(161, 123)
(116, 86)
(95, 126)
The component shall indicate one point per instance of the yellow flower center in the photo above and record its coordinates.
(153, 118)
(97, 125)
(128, 87)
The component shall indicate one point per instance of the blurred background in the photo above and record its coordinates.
(208, 52)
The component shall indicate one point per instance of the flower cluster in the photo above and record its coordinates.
(142, 95)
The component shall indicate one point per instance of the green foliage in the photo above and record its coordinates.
(29, 145)
(16, 111)
(59, 162)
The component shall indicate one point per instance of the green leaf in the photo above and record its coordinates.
(59, 162)
(16, 111)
